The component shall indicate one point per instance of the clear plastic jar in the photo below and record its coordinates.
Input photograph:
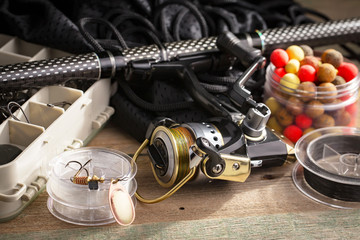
(77, 203)
(309, 109)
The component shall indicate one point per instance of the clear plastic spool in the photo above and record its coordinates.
(331, 154)
(77, 204)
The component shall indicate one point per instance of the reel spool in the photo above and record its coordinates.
(329, 166)
(170, 149)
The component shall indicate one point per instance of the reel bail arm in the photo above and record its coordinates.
(257, 114)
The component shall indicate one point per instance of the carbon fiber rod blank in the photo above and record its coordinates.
(96, 66)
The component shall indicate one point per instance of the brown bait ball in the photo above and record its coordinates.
(307, 91)
(333, 57)
(312, 61)
(324, 120)
(284, 118)
(327, 92)
(337, 112)
(338, 81)
(323, 55)
(294, 105)
(314, 109)
(310, 129)
(326, 72)
(308, 51)
(343, 118)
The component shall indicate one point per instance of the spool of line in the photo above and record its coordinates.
(328, 169)
(344, 192)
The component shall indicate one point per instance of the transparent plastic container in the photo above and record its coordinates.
(325, 108)
(78, 204)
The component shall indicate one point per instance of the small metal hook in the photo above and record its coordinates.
(82, 167)
(113, 181)
(10, 106)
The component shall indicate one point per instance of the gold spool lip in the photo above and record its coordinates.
(174, 176)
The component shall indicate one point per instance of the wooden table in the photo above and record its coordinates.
(266, 206)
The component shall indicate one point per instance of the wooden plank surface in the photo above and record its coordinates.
(266, 206)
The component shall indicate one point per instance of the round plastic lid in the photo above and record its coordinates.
(331, 153)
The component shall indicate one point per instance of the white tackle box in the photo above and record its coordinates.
(51, 130)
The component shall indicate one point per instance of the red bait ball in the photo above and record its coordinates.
(307, 73)
(348, 71)
(279, 58)
(303, 121)
(279, 73)
(352, 108)
(345, 97)
(293, 133)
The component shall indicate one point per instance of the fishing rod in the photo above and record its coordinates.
(197, 53)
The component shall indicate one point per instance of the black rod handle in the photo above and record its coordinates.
(50, 71)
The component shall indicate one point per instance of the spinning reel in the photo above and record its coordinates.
(219, 149)
(226, 147)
